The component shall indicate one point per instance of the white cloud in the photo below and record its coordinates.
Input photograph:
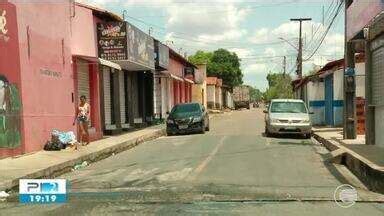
(216, 23)
(255, 75)
(242, 52)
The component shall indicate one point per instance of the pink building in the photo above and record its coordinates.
(87, 66)
(36, 79)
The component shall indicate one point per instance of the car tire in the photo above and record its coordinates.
(308, 135)
(207, 128)
(267, 133)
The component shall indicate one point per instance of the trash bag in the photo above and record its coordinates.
(53, 146)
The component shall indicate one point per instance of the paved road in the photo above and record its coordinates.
(232, 169)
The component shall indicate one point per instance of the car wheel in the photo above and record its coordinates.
(308, 136)
(207, 127)
(266, 132)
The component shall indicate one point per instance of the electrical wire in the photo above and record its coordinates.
(326, 32)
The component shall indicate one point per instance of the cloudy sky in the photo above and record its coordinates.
(254, 29)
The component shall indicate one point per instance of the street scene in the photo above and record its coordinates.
(234, 169)
(238, 107)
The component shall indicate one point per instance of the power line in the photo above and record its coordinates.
(228, 10)
(192, 37)
(329, 13)
(326, 32)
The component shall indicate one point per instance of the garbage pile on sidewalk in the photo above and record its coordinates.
(60, 140)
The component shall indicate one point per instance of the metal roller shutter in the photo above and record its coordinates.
(378, 87)
(378, 77)
(122, 98)
(83, 80)
(107, 97)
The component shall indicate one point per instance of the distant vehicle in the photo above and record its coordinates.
(256, 104)
(187, 118)
(287, 116)
(241, 97)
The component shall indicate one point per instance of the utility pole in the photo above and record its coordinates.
(349, 126)
(300, 54)
(284, 65)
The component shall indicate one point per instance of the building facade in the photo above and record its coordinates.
(36, 79)
(199, 89)
(211, 92)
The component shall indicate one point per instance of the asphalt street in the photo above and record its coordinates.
(233, 169)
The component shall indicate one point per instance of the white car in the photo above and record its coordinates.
(287, 116)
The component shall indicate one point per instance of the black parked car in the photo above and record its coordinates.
(187, 118)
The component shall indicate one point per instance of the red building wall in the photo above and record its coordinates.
(176, 68)
(45, 70)
(11, 139)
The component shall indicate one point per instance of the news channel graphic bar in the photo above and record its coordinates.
(42, 191)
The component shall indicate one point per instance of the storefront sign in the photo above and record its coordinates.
(112, 40)
(360, 13)
(162, 55)
(140, 47)
(3, 26)
(48, 72)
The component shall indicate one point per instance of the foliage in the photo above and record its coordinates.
(314, 69)
(201, 57)
(222, 64)
(255, 94)
(279, 86)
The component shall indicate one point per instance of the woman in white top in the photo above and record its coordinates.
(83, 118)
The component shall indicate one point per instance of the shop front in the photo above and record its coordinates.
(127, 93)
(161, 81)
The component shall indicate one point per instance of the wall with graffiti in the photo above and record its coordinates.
(10, 108)
(10, 102)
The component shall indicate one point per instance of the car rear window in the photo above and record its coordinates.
(288, 107)
(186, 108)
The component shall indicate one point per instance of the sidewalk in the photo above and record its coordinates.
(364, 161)
(48, 164)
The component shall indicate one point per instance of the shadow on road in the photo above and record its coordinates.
(285, 136)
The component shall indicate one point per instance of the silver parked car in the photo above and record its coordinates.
(287, 116)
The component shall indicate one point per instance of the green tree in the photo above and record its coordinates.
(201, 57)
(222, 64)
(255, 94)
(279, 86)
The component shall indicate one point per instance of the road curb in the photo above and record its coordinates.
(59, 169)
(368, 172)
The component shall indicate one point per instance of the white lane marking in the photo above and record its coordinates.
(205, 162)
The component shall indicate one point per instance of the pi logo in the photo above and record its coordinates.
(3, 22)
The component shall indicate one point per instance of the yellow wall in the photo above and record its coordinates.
(198, 90)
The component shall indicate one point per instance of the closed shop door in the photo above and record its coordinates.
(157, 97)
(123, 116)
(107, 98)
(83, 80)
(378, 89)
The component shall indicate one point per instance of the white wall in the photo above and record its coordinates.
(211, 99)
(338, 94)
(338, 89)
(315, 91)
(315, 94)
(164, 96)
(360, 79)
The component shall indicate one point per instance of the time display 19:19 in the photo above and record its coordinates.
(42, 198)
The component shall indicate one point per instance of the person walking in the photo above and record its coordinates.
(83, 118)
